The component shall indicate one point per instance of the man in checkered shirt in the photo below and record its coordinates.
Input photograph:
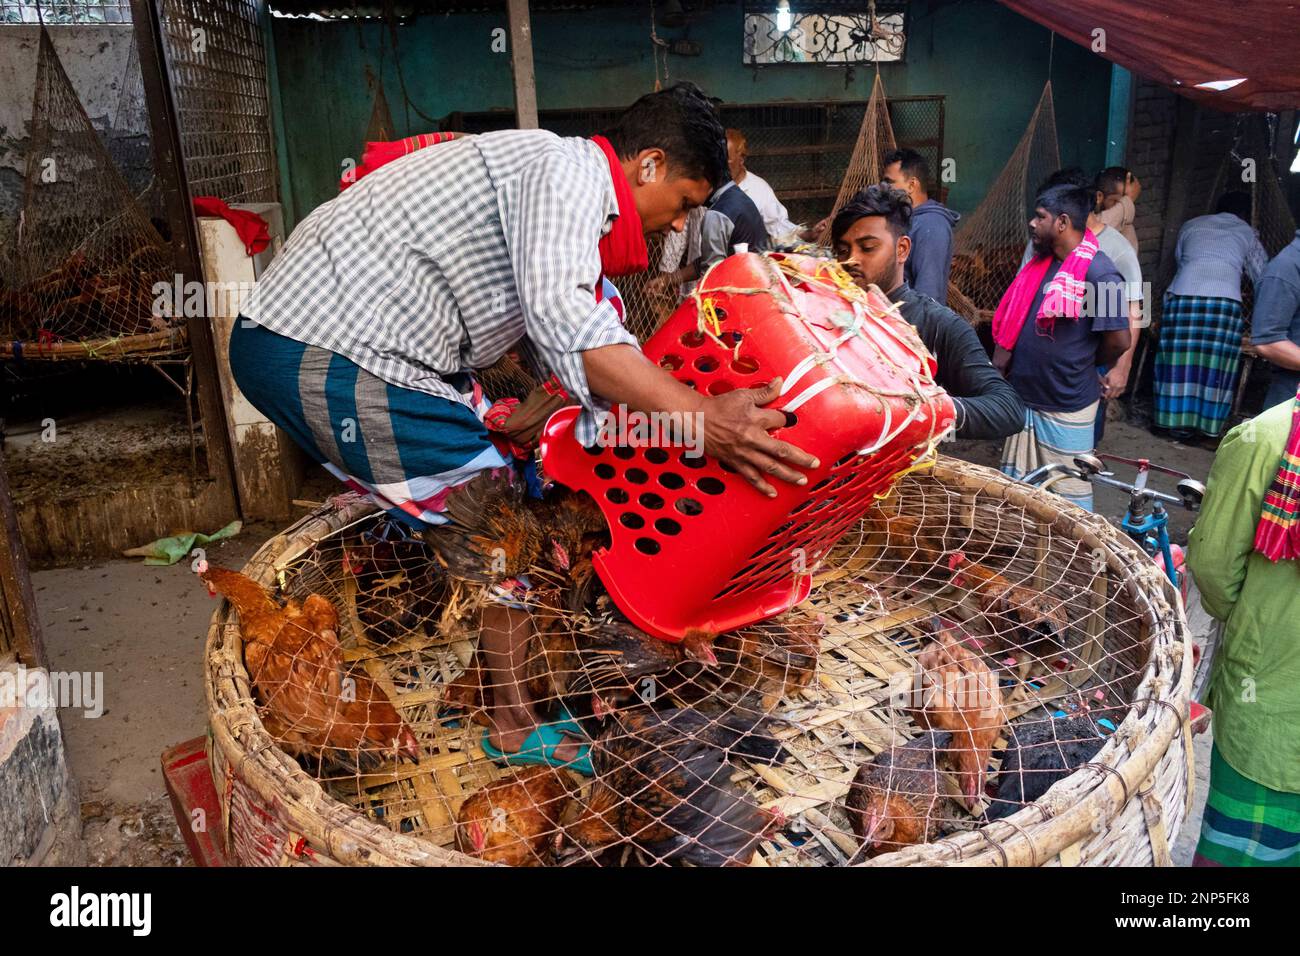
(361, 339)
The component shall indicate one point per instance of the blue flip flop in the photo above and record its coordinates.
(539, 747)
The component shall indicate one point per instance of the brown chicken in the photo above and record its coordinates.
(399, 589)
(1011, 617)
(309, 703)
(774, 659)
(904, 796)
(904, 544)
(574, 528)
(514, 820)
(962, 697)
(491, 532)
(66, 279)
(663, 784)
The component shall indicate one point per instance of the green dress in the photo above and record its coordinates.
(1255, 685)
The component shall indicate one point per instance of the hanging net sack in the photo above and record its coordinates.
(88, 259)
(875, 139)
(990, 241)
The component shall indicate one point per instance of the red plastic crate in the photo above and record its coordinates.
(693, 544)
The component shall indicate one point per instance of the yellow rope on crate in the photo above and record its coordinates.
(709, 313)
(92, 352)
(927, 459)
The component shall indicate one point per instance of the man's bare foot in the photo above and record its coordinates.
(508, 734)
(510, 727)
(504, 642)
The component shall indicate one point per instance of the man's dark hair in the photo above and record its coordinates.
(1069, 176)
(910, 162)
(881, 200)
(684, 124)
(1075, 202)
(1112, 178)
(1235, 201)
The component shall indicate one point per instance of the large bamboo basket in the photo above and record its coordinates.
(1124, 807)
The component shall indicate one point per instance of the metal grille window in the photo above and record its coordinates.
(817, 39)
(65, 11)
(218, 73)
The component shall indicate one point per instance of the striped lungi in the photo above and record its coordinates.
(1245, 823)
(1198, 361)
(404, 448)
(1053, 437)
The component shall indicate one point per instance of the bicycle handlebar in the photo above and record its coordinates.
(1124, 486)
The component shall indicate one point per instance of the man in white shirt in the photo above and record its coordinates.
(775, 218)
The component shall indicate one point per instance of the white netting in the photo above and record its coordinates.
(1018, 636)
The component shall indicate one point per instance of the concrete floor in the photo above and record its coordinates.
(144, 627)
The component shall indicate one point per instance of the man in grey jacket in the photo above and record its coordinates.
(1275, 321)
(931, 233)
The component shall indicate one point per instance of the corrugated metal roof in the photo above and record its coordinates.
(665, 9)
(336, 9)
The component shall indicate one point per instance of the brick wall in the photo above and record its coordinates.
(1150, 153)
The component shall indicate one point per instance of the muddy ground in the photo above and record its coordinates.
(85, 454)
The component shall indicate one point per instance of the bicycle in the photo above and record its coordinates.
(1146, 521)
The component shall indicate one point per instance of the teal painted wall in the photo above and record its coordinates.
(989, 62)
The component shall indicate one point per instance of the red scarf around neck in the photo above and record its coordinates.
(623, 250)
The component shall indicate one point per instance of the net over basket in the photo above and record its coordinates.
(693, 545)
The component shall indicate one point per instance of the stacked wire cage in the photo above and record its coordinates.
(946, 553)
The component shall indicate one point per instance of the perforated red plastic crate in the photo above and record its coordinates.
(693, 544)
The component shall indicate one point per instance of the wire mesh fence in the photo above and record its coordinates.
(217, 60)
(65, 11)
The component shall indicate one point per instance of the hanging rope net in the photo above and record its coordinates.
(87, 257)
(380, 128)
(1249, 165)
(875, 139)
(989, 243)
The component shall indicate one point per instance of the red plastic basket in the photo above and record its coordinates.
(693, 544)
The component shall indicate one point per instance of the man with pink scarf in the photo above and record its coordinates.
(1064, 314)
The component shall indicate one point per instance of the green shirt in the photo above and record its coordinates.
(1255, 686)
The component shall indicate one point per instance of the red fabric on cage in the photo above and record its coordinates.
(1182, 43)
(251, 227)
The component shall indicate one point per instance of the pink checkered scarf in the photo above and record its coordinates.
(1063, 297)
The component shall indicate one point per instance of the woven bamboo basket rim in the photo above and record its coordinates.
(140, 346)
(1076, 809)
